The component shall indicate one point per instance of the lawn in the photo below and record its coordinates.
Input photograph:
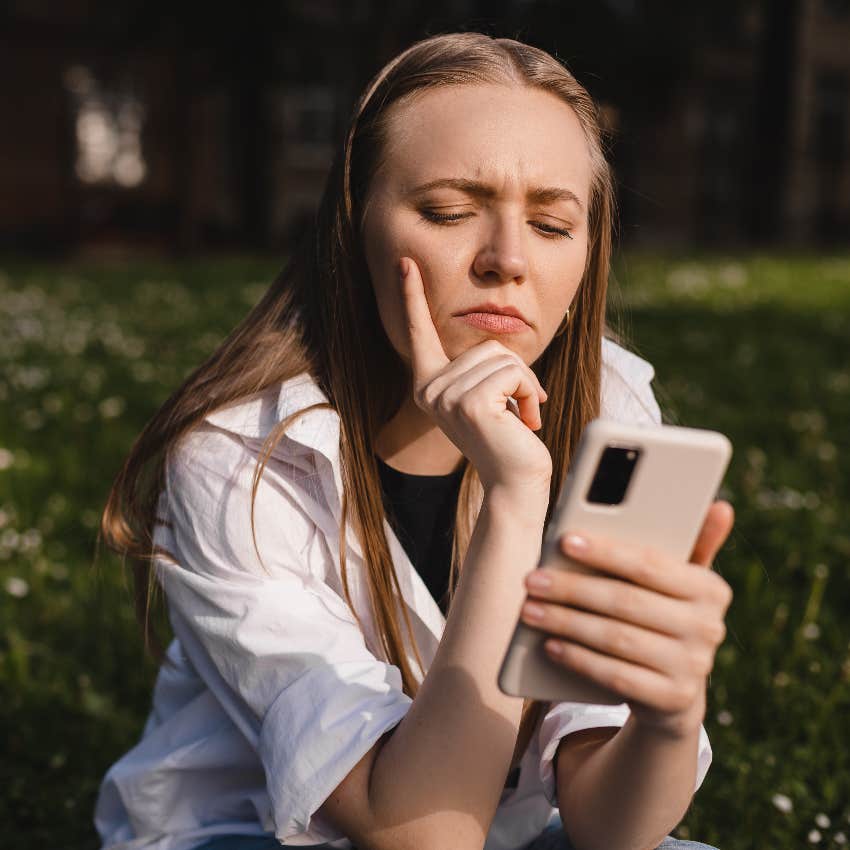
(755, 346)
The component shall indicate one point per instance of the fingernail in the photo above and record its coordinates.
(575, 544)
(553, 647)
(539, 579)
(532, 611)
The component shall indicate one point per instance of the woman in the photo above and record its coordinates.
(443, 337)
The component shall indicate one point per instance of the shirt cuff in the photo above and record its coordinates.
(318, 730)
(564, 718)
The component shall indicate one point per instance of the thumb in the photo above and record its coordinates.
(715, 529)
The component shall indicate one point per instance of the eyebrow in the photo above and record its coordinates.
(536, 194)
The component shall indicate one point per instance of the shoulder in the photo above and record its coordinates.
(626, 390)
(227, 517)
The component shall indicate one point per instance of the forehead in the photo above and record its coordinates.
(511, 136)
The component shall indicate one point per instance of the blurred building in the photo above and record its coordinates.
(191, 131)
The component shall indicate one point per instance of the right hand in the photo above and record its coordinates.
(468, 399)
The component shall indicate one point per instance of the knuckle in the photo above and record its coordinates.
(720, 589)
(467, 407)
(715, 632)
(705, 662)
(698, 662)
(643, 564)
(428, 395)
(626, 602)
(618, 639)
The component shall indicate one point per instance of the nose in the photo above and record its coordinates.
(501, 257)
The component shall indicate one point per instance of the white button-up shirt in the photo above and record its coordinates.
(274, 691)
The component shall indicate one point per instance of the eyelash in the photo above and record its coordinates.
(448, 218)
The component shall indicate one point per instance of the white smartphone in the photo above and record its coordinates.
(644, 484)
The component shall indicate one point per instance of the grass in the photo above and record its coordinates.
(754, 346)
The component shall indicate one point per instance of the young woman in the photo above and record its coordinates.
(344, 506)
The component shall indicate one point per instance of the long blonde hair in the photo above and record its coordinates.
(320, 316)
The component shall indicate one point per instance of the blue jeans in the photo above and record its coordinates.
(553, 837)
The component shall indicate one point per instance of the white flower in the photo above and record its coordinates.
(811, 631)
(6, 458)
(839, 838)
(111, 407)
(822, 820)
(724, 718)
(30, 539)
(10, 538)
(17, 587)
(814, 837)
(782, 803)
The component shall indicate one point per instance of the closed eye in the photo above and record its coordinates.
(449, 218)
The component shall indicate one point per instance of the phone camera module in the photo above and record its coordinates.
(613, 474)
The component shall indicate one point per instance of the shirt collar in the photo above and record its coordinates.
(318, 432)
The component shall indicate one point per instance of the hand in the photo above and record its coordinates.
(468, 399)
(657, 627)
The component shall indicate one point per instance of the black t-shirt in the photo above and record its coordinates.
(421, 511)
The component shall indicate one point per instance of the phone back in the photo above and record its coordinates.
(672, 485)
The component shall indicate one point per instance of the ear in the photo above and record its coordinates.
(715, 529)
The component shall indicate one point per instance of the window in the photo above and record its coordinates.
(108, 131)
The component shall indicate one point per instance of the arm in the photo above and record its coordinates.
(442, 770)
(624, 789)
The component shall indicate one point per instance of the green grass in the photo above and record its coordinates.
(755, 346)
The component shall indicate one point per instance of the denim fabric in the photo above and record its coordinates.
(553, 837)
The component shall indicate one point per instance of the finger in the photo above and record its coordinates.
(490, 350)
(631, 681)
(606, 634)
(715, 529)
(511, 381)
(469, 380)
(643, 565)
(622, 600)
(427, 353)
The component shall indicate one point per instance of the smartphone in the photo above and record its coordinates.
(644, 484)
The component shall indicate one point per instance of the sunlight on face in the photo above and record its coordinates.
(506, 224)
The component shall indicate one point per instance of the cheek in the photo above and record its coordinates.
(396, 236)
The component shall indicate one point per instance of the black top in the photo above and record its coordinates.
(421, 510)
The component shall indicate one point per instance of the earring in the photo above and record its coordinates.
(563, 326)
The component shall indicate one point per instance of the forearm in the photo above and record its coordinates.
(631, 792)
(437, 781)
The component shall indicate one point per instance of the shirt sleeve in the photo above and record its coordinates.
(564, 718)
(276, 645)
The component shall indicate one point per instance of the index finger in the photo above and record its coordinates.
(427, 353)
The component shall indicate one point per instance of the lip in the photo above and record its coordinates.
(495, 308)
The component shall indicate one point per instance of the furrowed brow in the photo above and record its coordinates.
(537, 194)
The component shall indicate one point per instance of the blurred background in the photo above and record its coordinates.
(159, 160)
(189, 126)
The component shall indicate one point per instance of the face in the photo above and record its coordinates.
(484, 232)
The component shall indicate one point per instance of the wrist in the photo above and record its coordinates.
(524, 504)
(678, 726)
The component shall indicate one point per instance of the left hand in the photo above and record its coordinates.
(654, 637)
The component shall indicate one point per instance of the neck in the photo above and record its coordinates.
(410, 442)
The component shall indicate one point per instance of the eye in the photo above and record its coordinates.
(443, 218)
(556, 232)
(449, 218)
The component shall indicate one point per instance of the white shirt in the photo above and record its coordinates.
(276, 692)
